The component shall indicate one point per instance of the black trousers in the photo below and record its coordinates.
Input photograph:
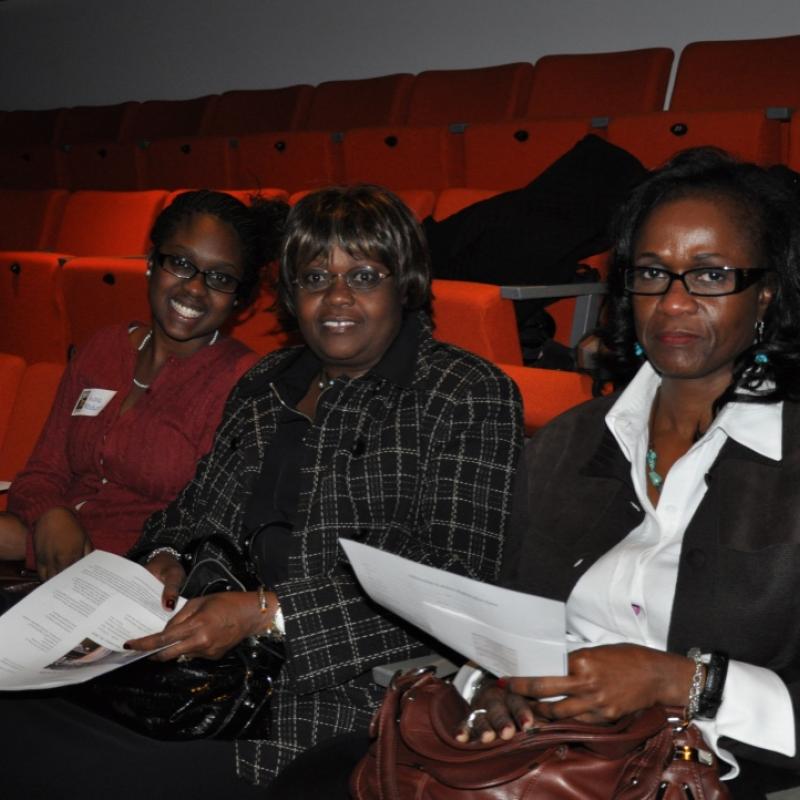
(51, 748)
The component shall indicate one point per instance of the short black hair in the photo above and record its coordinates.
(364, 220)
(258, 226)
(766, 204)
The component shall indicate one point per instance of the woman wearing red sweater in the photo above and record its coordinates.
(138, 406)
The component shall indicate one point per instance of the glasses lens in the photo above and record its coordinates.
(646, 280)
(221, 282)
(314, 280)
(710, 281)
(177, 265)
(363, 279)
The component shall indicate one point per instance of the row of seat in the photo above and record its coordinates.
(495, 156)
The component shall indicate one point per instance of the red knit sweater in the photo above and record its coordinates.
(117, 470)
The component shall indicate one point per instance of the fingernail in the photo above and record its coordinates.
(170, 604)
(502, 683)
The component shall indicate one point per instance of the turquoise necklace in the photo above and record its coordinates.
(656, 481)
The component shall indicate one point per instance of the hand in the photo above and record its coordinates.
(505, 714)
(605, 683)
(207, 627)
(58, 540)
(13, 536)
(171, 573)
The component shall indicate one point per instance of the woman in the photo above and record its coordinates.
(372, 431)
(667, 516)
(138, 406)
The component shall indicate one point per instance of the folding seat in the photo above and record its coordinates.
(455, 199)
(653, 138)
(740, 74)
(546, 393)
(108, 223)
(35, 395)
(599, 84)
(101, 291)
(12, 368)
(96, 123)
(475, 317)
(485, 94)
(119, 165)
(245, 195)
(28, 151)
(30, 217)
(293, 160)
(34, 323)
(420, 201)
(195, 161)
(341, 105)
(259, 325)
(403, 157)
(239, 112)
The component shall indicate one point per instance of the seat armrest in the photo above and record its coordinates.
(383, 674)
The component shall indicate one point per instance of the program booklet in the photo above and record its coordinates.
(73, 627)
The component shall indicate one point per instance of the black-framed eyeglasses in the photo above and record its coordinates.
(701, 281)
(359, 279)
(181, 267)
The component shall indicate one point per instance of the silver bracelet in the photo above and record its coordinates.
(159, 550)
(696, 689)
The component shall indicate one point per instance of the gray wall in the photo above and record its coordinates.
(72, 52)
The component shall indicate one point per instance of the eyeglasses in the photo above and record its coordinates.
(702, 282)
(359, 279)
(182, 268)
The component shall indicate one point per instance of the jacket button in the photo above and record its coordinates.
(696, 558)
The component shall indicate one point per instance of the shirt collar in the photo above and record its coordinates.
(757, 426)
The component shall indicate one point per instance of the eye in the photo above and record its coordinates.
(222, 279)
(179, 264)
(650, 274)
(314, 279)
(364, 278)
(711, 275)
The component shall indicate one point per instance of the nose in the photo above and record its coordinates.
(196, 284)
(338, 293)
(677, 300)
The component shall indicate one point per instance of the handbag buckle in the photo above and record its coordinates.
(415, 673)
(687, 753)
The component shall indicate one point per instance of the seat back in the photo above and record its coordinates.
(740, 74)
(654, 138)
(484, 94)
(600, 84)
(103, 291)
(451, 201)
(96, 123)
(546, 393)
(475, 317)
(292, 160)
(340, 105)
(108, 223)
(31, 128)
(259, 325)
(161, 119)
(257, 110)
(30, 217)
(187, 161)
(508, 155)
(12, 368)
(33, 321)
(35, 394)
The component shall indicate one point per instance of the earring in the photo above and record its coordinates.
(759, 331)
(638, 350)
(148, 272)
(761, 358)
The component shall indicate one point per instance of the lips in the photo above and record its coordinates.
(338, 325)
(184, 310)
(677, 338)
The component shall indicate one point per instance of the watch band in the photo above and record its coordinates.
(714, 687)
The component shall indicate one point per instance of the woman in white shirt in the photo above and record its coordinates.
(668, 516)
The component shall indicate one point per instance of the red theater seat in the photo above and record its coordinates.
(600, 84)
(30, 218)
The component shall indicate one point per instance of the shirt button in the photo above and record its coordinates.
(104, 480)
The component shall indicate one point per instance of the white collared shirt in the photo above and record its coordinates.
(627, 595)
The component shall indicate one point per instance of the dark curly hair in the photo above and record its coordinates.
(259, 227)
(364, 220)
(767, 205)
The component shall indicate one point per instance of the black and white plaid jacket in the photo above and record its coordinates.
(417, 459)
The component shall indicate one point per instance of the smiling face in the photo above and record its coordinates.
(685, 336)
(349, 331)
(187, 312)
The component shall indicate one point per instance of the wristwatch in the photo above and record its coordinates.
(716, 669)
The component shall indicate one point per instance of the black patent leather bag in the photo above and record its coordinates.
(197, 698)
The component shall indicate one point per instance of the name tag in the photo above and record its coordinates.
(92, 401)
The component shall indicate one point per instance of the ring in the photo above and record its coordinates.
(470, 722)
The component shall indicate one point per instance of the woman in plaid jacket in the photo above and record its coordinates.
(374, 431)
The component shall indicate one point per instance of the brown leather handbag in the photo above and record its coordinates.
(651, 755)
